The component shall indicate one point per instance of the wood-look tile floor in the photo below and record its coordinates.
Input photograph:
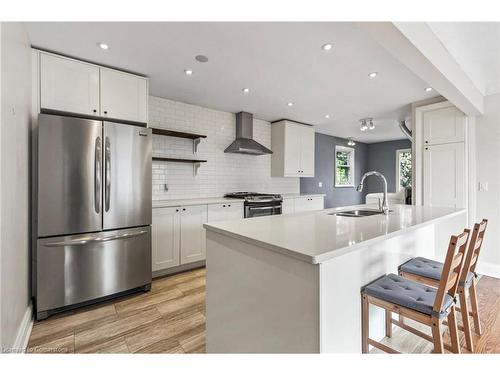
(168, 319)
(171, 319)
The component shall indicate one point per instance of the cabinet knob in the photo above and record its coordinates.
(427, 148)
(177, 210)
(426, 141)
(183, 209)
(95, 110)
(105, 112)
(229, 205)
(223, 205)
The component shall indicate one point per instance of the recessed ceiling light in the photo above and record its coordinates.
(201, 58)
(327, 46)
(188, 72)
(103, 45)
(245, 90)
(373, 74)
(428, 89)
(290, 104)
(327, 116)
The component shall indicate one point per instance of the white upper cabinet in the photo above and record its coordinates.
(293, 149)
(166, 237)
(123, 96)
(192, 233)
(443, 125)
(68, 85)
(73, 86)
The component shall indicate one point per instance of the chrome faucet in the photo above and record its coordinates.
(384, 208)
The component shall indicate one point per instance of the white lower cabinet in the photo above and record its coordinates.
(165, 238)
(225, 211)
(288, 206)
(178, 236)
(302, 204)
(193, 244)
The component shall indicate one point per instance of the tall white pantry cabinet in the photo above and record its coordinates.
(441, 129)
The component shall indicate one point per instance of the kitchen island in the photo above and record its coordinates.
(291, 283)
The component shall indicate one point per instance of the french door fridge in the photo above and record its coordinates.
(93, 211)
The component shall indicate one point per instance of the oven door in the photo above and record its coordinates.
(262, 209)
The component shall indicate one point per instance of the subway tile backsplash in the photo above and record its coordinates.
(222, 173)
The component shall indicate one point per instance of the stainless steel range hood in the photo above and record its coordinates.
(244, 142)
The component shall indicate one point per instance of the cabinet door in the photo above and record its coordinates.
(192, 233)
(165, 237)
(288, 206)
(444, 125)
(68, 85)
(444, 176)
(123, 96)
(225, 211)
(306, 151)
(292, 150)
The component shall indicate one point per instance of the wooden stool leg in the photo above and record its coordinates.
(464, 309)
(437, 336)
(388, 323)
(474, 307)
(455, 346)
(365, 327)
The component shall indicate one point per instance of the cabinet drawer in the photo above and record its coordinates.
(225, 211)
(309, 204)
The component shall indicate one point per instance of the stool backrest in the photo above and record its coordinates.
(452, 268)
(475, 244)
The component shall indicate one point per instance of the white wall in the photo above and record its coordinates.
(15, 84)
(488, 170)
(223, 172)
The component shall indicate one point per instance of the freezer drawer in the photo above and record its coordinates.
(75, 269)
(127, 176)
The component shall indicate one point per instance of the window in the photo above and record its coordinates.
(344, 166)
(403, 169)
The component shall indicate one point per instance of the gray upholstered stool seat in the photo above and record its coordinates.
(410, 294)
(428, 268)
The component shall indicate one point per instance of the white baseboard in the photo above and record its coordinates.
(24, 332)
(488, 269)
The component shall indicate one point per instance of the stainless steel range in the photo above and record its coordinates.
(259, 204)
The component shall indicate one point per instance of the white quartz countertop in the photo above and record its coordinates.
(192, 202)
(316, 237)
(213, 200)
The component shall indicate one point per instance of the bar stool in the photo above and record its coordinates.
(428, 272)
(418, 302)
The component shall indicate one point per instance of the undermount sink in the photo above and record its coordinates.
(356, 213)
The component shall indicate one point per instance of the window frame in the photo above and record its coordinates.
(352, 163)
(398, 175)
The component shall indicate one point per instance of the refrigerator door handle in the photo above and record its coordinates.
(86, 240)
(97, 175)
(107, 162)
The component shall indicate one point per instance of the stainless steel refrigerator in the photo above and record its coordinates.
(93, 211)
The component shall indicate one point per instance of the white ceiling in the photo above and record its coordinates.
(476, 48)
(279, 62)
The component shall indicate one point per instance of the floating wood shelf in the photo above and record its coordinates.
(175, 133)
(160, 158)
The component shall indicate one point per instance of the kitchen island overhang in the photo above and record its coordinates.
(291, 283)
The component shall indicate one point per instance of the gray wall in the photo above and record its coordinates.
(324, 172)
(382, 158)
(15, 93)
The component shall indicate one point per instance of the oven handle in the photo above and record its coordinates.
(264, 208)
